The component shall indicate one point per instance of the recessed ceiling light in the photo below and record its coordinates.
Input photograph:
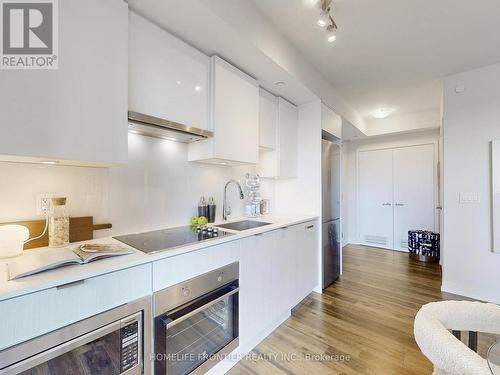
(197, 88)
(223, 163)
(49, 162)
(172, 139)
(178, 82)
(312, 3)
(280, 83)
(321, 23)
(332, 38)
(133, 131)
(382, 113)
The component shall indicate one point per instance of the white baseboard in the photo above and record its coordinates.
(471, 291)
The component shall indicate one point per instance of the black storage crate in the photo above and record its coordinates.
(424, 245)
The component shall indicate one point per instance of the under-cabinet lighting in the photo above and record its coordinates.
(49, 162)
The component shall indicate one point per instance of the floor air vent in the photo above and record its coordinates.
(377, 240)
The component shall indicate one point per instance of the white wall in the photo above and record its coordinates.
(350, 204)
(157, 188)
(471, 122)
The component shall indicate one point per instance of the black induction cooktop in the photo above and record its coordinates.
(166, 239)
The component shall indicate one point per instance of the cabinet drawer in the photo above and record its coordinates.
(34, 314)
(171, 271)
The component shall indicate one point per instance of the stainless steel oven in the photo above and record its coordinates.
(112, 343)
(196, 322)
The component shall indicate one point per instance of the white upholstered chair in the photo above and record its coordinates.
(448, 354)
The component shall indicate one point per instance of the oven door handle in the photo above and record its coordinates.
(173, 323)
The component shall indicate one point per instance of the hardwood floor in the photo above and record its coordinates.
(362, 324)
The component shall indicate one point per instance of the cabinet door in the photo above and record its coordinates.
(77, 112)
(284, 269)
(235, 114)
(167, 77)
(268, 120)
(375, 198)
(414, 187)
(287, 130)
(233, 117)
(256, 298)
(307, 258)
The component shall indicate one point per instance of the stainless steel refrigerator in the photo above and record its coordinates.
(331, 238)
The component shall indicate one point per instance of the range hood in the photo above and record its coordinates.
(160, 128)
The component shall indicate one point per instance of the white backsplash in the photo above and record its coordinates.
(157, 188)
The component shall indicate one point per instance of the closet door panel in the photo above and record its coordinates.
(375, 198)
(414, 192)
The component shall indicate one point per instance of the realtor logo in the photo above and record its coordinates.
(29, 34)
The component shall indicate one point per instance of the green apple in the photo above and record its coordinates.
(194, 220)
(202, 220)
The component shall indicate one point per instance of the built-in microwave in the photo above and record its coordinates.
(196, 322)
(115, 342)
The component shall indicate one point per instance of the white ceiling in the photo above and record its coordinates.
(391, 53)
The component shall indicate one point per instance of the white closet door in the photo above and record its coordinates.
(414, 199)
(375, 198)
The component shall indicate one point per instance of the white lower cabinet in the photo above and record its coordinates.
(277, 270)
(256, 291)
(35, 314)
(307, 259)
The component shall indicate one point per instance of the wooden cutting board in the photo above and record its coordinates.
(80, 229)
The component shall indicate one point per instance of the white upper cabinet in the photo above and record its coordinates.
(268, 120)
(167, 77)
(234, 118)
(281, 162)
(76, 114)
(331, 122)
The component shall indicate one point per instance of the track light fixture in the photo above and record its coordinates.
(326, 20)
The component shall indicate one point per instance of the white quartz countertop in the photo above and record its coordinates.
(69, 274)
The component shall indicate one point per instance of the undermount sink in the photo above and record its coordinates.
(243, 225)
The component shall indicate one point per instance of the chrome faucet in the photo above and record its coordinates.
(226, 210)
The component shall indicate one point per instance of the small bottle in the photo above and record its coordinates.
(58, 224)
(211, 210)
(202, 207)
